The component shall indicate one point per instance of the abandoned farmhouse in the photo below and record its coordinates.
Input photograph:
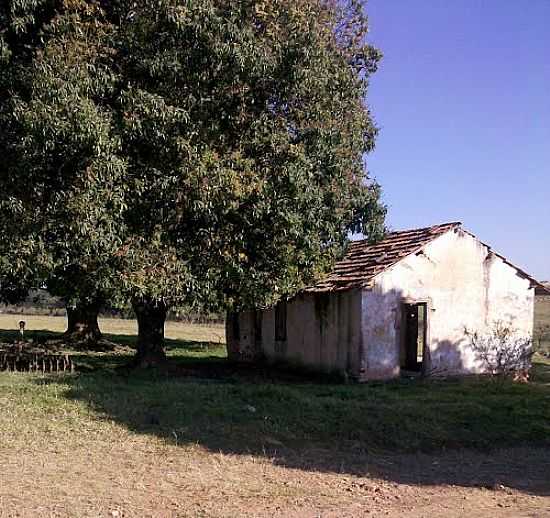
(403, 304)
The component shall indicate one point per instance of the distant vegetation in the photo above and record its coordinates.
(542, 324)
(40, 302)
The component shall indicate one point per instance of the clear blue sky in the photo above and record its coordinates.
(462, 100)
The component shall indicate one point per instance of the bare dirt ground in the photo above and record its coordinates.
(129, 475)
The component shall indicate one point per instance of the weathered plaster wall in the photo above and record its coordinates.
(323, 333)
(464, 286)
(245, 346)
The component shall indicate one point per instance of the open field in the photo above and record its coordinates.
(205, 440)
(40, 325)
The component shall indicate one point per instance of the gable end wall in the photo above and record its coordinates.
(464, 286)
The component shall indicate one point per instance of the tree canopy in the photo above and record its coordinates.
(61, 177)
(183, 151)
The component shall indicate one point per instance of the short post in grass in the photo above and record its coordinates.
(22, 325)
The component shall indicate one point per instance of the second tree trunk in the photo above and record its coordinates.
(82, 322)
(151, 316)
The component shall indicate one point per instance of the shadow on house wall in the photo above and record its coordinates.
(448, 359)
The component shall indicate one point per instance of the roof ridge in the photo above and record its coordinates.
(365, 260)
(408, 231)
(430, 227)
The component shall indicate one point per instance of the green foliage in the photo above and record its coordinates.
(197, 152)
(62, 177)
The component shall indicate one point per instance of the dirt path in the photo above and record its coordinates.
(139, 476)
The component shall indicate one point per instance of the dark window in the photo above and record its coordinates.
(280, 321)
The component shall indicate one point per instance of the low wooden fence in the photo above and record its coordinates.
(17, 360)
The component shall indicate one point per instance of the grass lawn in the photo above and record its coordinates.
(106, 426)
(249, 408)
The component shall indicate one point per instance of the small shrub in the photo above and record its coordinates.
(502, 351)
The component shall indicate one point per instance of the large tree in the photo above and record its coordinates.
(244, 127)
(218, 145)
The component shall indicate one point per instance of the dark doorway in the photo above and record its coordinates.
(414, 342)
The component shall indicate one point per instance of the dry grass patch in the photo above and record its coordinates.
(40, 324)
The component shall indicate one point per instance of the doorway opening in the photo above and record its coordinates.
(414, 339)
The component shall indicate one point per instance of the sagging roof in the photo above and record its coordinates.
(364, 261)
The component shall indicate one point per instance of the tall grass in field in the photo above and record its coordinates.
(542, 324)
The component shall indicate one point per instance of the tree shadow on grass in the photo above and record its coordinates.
(113, 350)
(471, 432)
(34, 336)
(170, 344)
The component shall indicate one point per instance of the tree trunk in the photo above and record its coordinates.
(82, 324)
(151, 316)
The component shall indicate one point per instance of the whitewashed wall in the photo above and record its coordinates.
(464, 286)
